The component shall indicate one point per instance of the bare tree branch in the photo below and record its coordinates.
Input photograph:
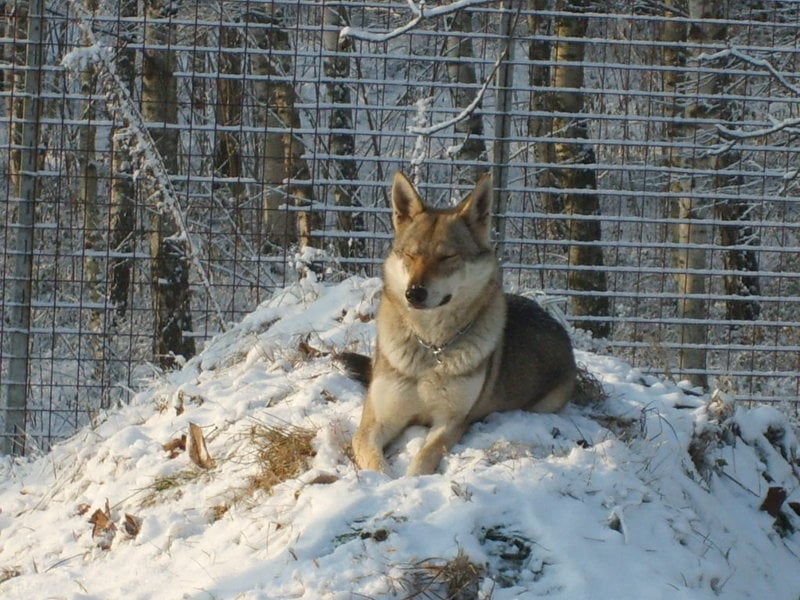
(756, 62)
(790, 125)
(736, 135)
(468, 110)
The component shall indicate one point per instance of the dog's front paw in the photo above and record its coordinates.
(417, 470)
(424, 463)
(372, 463)
(368, 456)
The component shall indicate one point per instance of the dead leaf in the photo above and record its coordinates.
(774, 500)
(132, 525)
(324, 479)
(101, 521)
(82, 509)
(328, 396)
(319, 479)
(309, 351)
(198, 452)
(175, 446)
(103, 529)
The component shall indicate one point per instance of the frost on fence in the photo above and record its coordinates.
(646, 173)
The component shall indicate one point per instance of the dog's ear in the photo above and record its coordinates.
(476, 209)
(406, 202)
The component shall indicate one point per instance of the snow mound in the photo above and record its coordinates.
(656, 493)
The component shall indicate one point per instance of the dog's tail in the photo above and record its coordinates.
(357, 366)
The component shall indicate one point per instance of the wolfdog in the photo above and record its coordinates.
(451, 346)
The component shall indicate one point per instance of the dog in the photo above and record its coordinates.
(451, 346)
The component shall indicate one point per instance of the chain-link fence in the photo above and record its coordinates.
(168, 165)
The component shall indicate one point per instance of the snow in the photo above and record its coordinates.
(601, 501)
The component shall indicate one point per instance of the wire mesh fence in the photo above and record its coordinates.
(168, 165)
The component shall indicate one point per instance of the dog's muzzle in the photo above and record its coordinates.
(417, 295)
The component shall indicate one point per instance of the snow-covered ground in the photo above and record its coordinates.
(655, 493)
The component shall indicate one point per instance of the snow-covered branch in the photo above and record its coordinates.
(468, 110)
(756, 62)
(736, 135)
(790, 125)
(420, 11)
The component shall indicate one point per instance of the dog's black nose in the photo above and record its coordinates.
(416, 295)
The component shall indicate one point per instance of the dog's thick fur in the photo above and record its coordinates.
(451, 347)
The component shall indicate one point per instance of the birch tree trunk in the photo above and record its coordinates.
(25, 23)
(284, 171)
(228, 150)
(93, 239)
(170, 265)
(540, 28)
(690, 235)
(121, 235)
(461, 72)
(16, 22)
(702, 97)
(342, 140)
(575, 173)
(740, 261)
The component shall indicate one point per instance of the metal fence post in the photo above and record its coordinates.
(19, 314)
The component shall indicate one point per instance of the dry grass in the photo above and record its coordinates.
(625, 429)
(170, 484)
(9, 573)
(177, 480)
(282, 452)
(588, 389)
(218, 511)
(455, 579)
(701, 448)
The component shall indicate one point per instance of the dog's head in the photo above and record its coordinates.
(439, 253)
